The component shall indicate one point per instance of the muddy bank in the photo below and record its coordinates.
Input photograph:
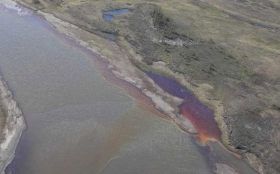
(12, 128)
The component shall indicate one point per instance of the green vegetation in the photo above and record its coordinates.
(201, 59)
(3, 120)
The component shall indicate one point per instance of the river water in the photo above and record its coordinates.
(77, 121)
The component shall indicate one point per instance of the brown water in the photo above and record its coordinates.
(79, 122)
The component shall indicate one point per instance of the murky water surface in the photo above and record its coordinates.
(201, 116)
(77, 122)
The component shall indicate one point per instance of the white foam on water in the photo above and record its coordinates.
(14, 6)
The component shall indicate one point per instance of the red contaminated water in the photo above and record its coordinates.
(200, 115)
(207, 130)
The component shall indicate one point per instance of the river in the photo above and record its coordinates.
(79, 122)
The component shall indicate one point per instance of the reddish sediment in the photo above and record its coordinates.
(200, 115)
(206, 128)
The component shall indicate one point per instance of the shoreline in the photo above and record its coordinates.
(14, 126)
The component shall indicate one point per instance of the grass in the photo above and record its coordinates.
(3, 120)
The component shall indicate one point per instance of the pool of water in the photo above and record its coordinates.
(109, 15)
(201, 116)
(132, 42)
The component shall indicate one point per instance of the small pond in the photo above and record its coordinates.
(109, 15)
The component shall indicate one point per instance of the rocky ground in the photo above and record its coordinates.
(227, 50)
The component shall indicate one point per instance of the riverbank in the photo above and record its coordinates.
(11, 126)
